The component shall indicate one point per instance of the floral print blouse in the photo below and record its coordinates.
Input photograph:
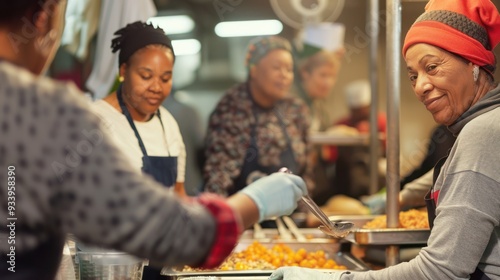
(229, 136)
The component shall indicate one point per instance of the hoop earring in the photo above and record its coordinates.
(475, 73)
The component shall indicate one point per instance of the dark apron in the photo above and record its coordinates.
(163, 169)
(251, 160)
(430, 202)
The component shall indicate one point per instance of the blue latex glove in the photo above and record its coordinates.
(296, 273)
(376, 202)
(276, 194)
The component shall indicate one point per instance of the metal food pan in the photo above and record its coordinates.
(395, 236)
(341, 258)
(313, 235)
(331, 250)
(328, 246)
(388, 236)
(246, 277)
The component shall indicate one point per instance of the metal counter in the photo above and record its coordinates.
(316, 240)
(341, 258)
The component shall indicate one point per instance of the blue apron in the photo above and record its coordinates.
(163, 169)
(478, 274)
(251, 160)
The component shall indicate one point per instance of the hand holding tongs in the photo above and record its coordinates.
(334, 229)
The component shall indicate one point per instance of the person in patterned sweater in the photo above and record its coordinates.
(258, 127)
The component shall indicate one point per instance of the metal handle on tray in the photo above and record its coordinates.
(294, 229)
(283, 231)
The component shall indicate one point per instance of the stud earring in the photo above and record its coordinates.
(121, 79)
(475, 73)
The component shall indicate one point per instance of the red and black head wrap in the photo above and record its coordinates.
(468, 28)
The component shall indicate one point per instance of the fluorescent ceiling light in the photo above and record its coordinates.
(186, 47)
(248, 28)
(178, 24)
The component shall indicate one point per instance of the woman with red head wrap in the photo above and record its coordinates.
(449, 58)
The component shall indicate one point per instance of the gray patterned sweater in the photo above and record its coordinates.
(67, 178)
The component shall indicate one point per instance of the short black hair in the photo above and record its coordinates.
(135, 36)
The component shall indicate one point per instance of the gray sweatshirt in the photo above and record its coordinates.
(466, 231)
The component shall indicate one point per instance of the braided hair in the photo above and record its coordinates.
(136, 36)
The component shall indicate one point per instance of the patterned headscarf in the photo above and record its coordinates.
(468, 28)
(259, 47)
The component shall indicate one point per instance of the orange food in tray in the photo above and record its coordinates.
(258, 256)
(411, 219)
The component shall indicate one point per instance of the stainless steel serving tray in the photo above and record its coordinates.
(246, 277)
(396, 236)
(331, 250)
(341, 258)
(313, 235)
(389, 236)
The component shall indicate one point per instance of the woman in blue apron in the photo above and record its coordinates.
(146, 60)
(145, 130)
(162, 168)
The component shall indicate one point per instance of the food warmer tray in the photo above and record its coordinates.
(394, 236)
(331, 249)
(341, 258)
(313, 235)
(224, 278)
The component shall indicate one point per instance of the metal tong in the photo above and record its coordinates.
(334, 229)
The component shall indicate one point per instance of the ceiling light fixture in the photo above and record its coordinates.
(178, 24)
(248, 28)
(186, 46)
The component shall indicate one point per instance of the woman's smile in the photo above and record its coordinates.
(434, 104)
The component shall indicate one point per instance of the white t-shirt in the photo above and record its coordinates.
(157, 142)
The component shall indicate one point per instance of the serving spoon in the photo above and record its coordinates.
(334, 229)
